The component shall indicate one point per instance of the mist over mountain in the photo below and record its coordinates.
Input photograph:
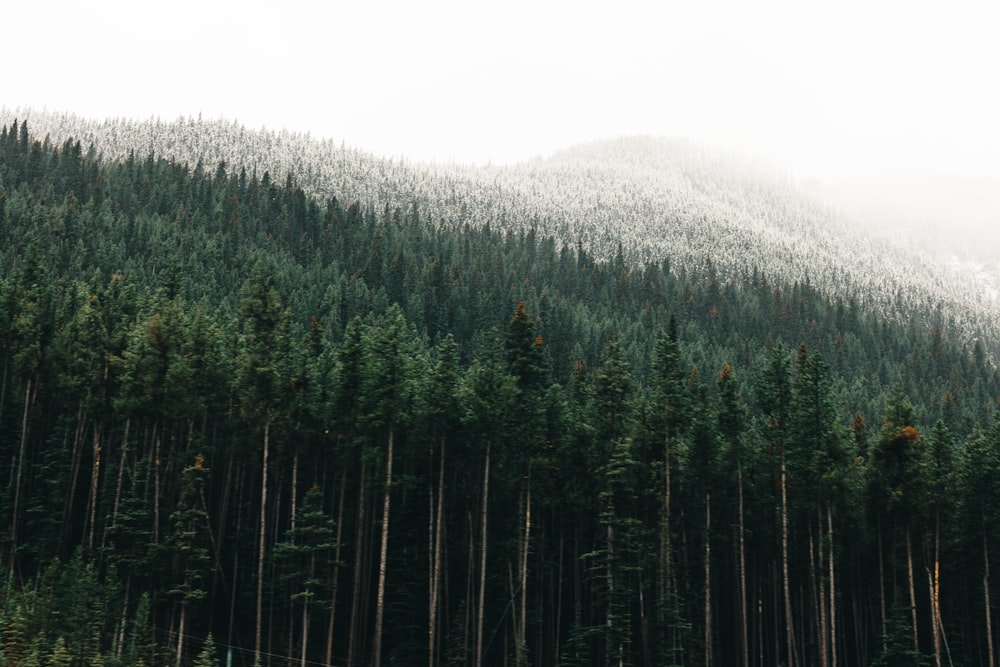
(648, 198)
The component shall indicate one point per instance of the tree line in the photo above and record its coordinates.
(237, 418)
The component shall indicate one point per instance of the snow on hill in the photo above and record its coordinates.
(650, 199)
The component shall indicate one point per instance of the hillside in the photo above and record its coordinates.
(649, 198)
(237, 416)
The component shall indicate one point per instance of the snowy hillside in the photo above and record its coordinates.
(650, 198)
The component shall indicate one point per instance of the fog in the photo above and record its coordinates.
(888, 109)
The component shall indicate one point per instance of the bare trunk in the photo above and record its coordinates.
(383, 554)
(74, 473)
(94, 477)
(121, 473)
(336, 570)
(986, 596)
(833, 595)
(236, 555)
(786, 584)
(436, 563)
(120, 641)
(3, 387)
(305, 613)
(358, 553)
(913, 595)
(180, 635)
(17, 483)
(708, 580)
(744, 639)
(821, 599)
(881, 586)
(295, 486)
(559, 579)
(932, 596)
(482, 560)
(156, 485)
(261, 544)
(522, 647)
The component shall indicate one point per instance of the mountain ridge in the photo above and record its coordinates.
(647, 198)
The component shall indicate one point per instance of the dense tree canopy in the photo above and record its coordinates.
(234, 417)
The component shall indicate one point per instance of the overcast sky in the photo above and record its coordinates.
(891, 101)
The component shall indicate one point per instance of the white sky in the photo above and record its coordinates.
(891, 101)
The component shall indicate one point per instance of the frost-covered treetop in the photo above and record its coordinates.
(652, 198)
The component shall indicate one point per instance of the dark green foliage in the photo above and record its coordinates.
(155, 318)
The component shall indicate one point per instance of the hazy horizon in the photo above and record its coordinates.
(888, 109)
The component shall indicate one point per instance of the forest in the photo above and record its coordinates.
(244, 424)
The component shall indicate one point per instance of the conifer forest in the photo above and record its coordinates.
(246, 419)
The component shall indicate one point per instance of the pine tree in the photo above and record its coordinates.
(305, 557)
(262, 378)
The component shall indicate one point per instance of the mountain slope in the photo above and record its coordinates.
(651, 199)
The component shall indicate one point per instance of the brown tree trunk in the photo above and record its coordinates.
(336, 570)
(913, 595)
(833, 592)
(522, 639)
(986, 596)
(881, 586)
(821, 598)
(436, 563)
(180, 635)
(482, 562)
(156, 484)
(92, 500)
(786, 584)
(121, 473)
(17, 484)
(352, 635)
(708, 580)
(75, 456)
(295, 486)
(261, 544)
(305, 613)
(383, 554)
(932, 597)
(744, 639)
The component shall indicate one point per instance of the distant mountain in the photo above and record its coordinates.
(649, 199)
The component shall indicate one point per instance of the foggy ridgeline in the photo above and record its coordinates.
(271, 399)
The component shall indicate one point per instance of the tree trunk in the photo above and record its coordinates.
(559, 579)
(121, 473)
(75, 455)
(932, 596)
(786, 584)
(881, 585)
(295, 486)
(352, 635)
(436, 563)
(180, 635)
(305, 612)
(156, 483)
(913, 595)
(336, 570)
(833, 594)
(383, 553)
(92, 500)
(482, 560)
(708, 580)
(986, 596)
(120, 640)
(17, 484)
(744, 640)
(522, 647)
(261, 544)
